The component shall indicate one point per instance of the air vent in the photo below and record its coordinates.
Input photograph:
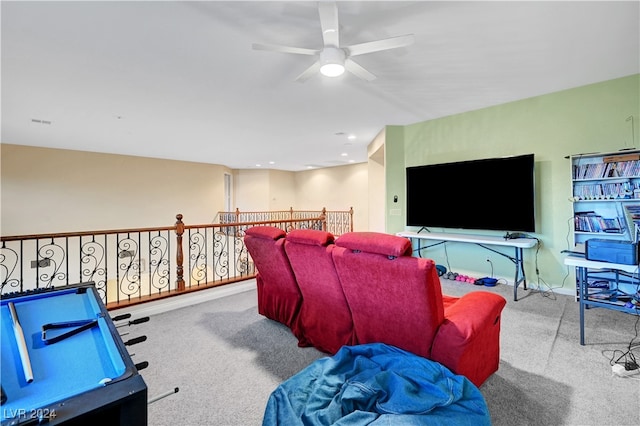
(39, 121)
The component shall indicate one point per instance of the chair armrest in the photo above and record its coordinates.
(465, 318)
(468, 340)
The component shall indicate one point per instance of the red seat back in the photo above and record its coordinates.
(279, 297)
(324, 315)
(394, 298)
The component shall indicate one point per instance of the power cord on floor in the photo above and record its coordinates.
(446, 256)
(549, 292)
(624, 363)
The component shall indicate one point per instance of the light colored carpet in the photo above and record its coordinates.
(227, 359)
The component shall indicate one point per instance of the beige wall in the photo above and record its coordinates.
(53, 190)
(261, 190)
(336, 188)
(251, 188)
(377, 187)
(282, 190)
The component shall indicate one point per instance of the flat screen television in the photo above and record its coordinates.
(488, 194)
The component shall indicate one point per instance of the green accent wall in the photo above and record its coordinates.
(394, 161)
(593, 118)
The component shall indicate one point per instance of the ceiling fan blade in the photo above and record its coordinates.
(309, 72)
(357, 70)
(284, 49)
(378, 45)
(329, 23)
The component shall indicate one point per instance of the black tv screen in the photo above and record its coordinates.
(489, 194)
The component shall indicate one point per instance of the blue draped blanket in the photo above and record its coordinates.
(376, 384)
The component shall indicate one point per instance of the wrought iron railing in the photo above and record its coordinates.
(338, 221)
(130, 266)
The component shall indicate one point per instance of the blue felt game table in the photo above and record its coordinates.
(87, 378)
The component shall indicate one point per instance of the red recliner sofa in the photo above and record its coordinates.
(325, 316)
(279, 296)
(397, 299)
(392, 298)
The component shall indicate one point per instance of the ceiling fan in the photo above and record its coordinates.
(332, 58)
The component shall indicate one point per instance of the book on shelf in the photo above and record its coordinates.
(632, 217)
(608, 168)
(623, 189)
(592, 222)
(602, 294)
(598, 285)
(610, 295)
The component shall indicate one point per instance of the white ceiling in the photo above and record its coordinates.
(179, 80)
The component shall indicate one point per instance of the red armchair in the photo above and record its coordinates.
(396, 299)
(324, 315)
(279, 297)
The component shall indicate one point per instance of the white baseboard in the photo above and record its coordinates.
(530, 284)
(192, 298)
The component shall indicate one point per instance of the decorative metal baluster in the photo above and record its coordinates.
(106, 272)
(128, 249)
(9, 260)
(159, 262)
(93, 265)
(51, 256)
(197, 257)
(241, 258)
(220, 254)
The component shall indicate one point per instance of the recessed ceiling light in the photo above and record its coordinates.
(258, 165)
(351, 137)
(344, 154)
(272, 162)
(352, 161)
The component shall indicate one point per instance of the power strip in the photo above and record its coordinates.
(620, 371)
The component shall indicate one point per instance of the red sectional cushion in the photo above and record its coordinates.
(268, 232)
(325, 316)
(310, 237)
(279, 297)
(375, 242)
(397, 301)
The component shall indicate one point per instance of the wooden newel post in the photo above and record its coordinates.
(179, 253)
(351, 219)
(323, 217)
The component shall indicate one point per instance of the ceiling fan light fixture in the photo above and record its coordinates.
(332, 70)
(332, 62)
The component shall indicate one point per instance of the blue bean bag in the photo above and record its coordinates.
(376, 384)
